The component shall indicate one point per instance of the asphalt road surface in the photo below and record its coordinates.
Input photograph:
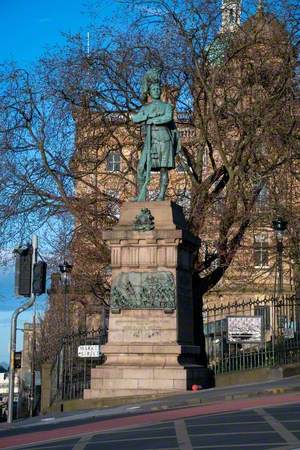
(271, 422)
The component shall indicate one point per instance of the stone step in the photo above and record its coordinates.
(112, 393)
(136, 383)
(136, 372)
(137, 377)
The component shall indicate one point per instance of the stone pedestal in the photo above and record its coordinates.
(152, 328)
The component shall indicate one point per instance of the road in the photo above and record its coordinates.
(258, 422)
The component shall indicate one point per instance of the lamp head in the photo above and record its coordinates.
(65, 267)
(279, 226)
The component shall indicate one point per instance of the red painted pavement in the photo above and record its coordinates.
(39, 437)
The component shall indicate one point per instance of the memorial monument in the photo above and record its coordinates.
(161, 137)
(155, 340)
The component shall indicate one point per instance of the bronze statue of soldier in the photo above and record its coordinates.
(161, 137)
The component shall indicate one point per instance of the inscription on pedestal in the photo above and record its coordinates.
(136, 290)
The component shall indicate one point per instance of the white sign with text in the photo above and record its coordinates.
(244, 329)
(89, 351)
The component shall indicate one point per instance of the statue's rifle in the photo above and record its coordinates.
(143, 191)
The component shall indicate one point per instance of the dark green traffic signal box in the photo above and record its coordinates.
(39, 278)
(23, 270)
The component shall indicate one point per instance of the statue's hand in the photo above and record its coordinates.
(153, 113)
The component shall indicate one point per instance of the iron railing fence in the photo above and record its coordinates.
(250, 334)
(243, 335)
(71, 370)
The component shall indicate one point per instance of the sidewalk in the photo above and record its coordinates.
(56, 434)
(167, 402)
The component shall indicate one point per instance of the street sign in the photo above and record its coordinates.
(89, 351)
(244, 329)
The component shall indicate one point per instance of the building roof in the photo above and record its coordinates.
(264, 25)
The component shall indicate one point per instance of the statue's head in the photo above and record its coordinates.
(155, 91)
(151, 78)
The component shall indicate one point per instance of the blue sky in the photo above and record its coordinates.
(28, 28)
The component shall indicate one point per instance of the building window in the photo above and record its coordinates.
(262, 199)
(205, 158)
(153, 194)
(261, 251)
(113, 203)
(181, 164)
(184, 200)
(219, 204)
(113, 161)
(264, 313)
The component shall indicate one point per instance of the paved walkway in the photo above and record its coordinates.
(271, 422)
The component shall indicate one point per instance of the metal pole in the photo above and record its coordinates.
(65, 302)
(13, 335)
(32, 381)
(276, 272)
(66, 305)
(280, 271)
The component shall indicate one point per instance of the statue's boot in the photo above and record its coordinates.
(164, 181)
(140, 184)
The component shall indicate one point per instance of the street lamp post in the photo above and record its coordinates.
(279, 226)
(65, 270)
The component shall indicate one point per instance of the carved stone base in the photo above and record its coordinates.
(142, 357)
(153, 325)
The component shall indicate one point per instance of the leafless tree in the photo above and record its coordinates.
(60, 122)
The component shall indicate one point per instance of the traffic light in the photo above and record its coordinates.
(39, 278)
(17, 360)
(23, 268)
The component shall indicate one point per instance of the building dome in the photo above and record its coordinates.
(264, 26)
